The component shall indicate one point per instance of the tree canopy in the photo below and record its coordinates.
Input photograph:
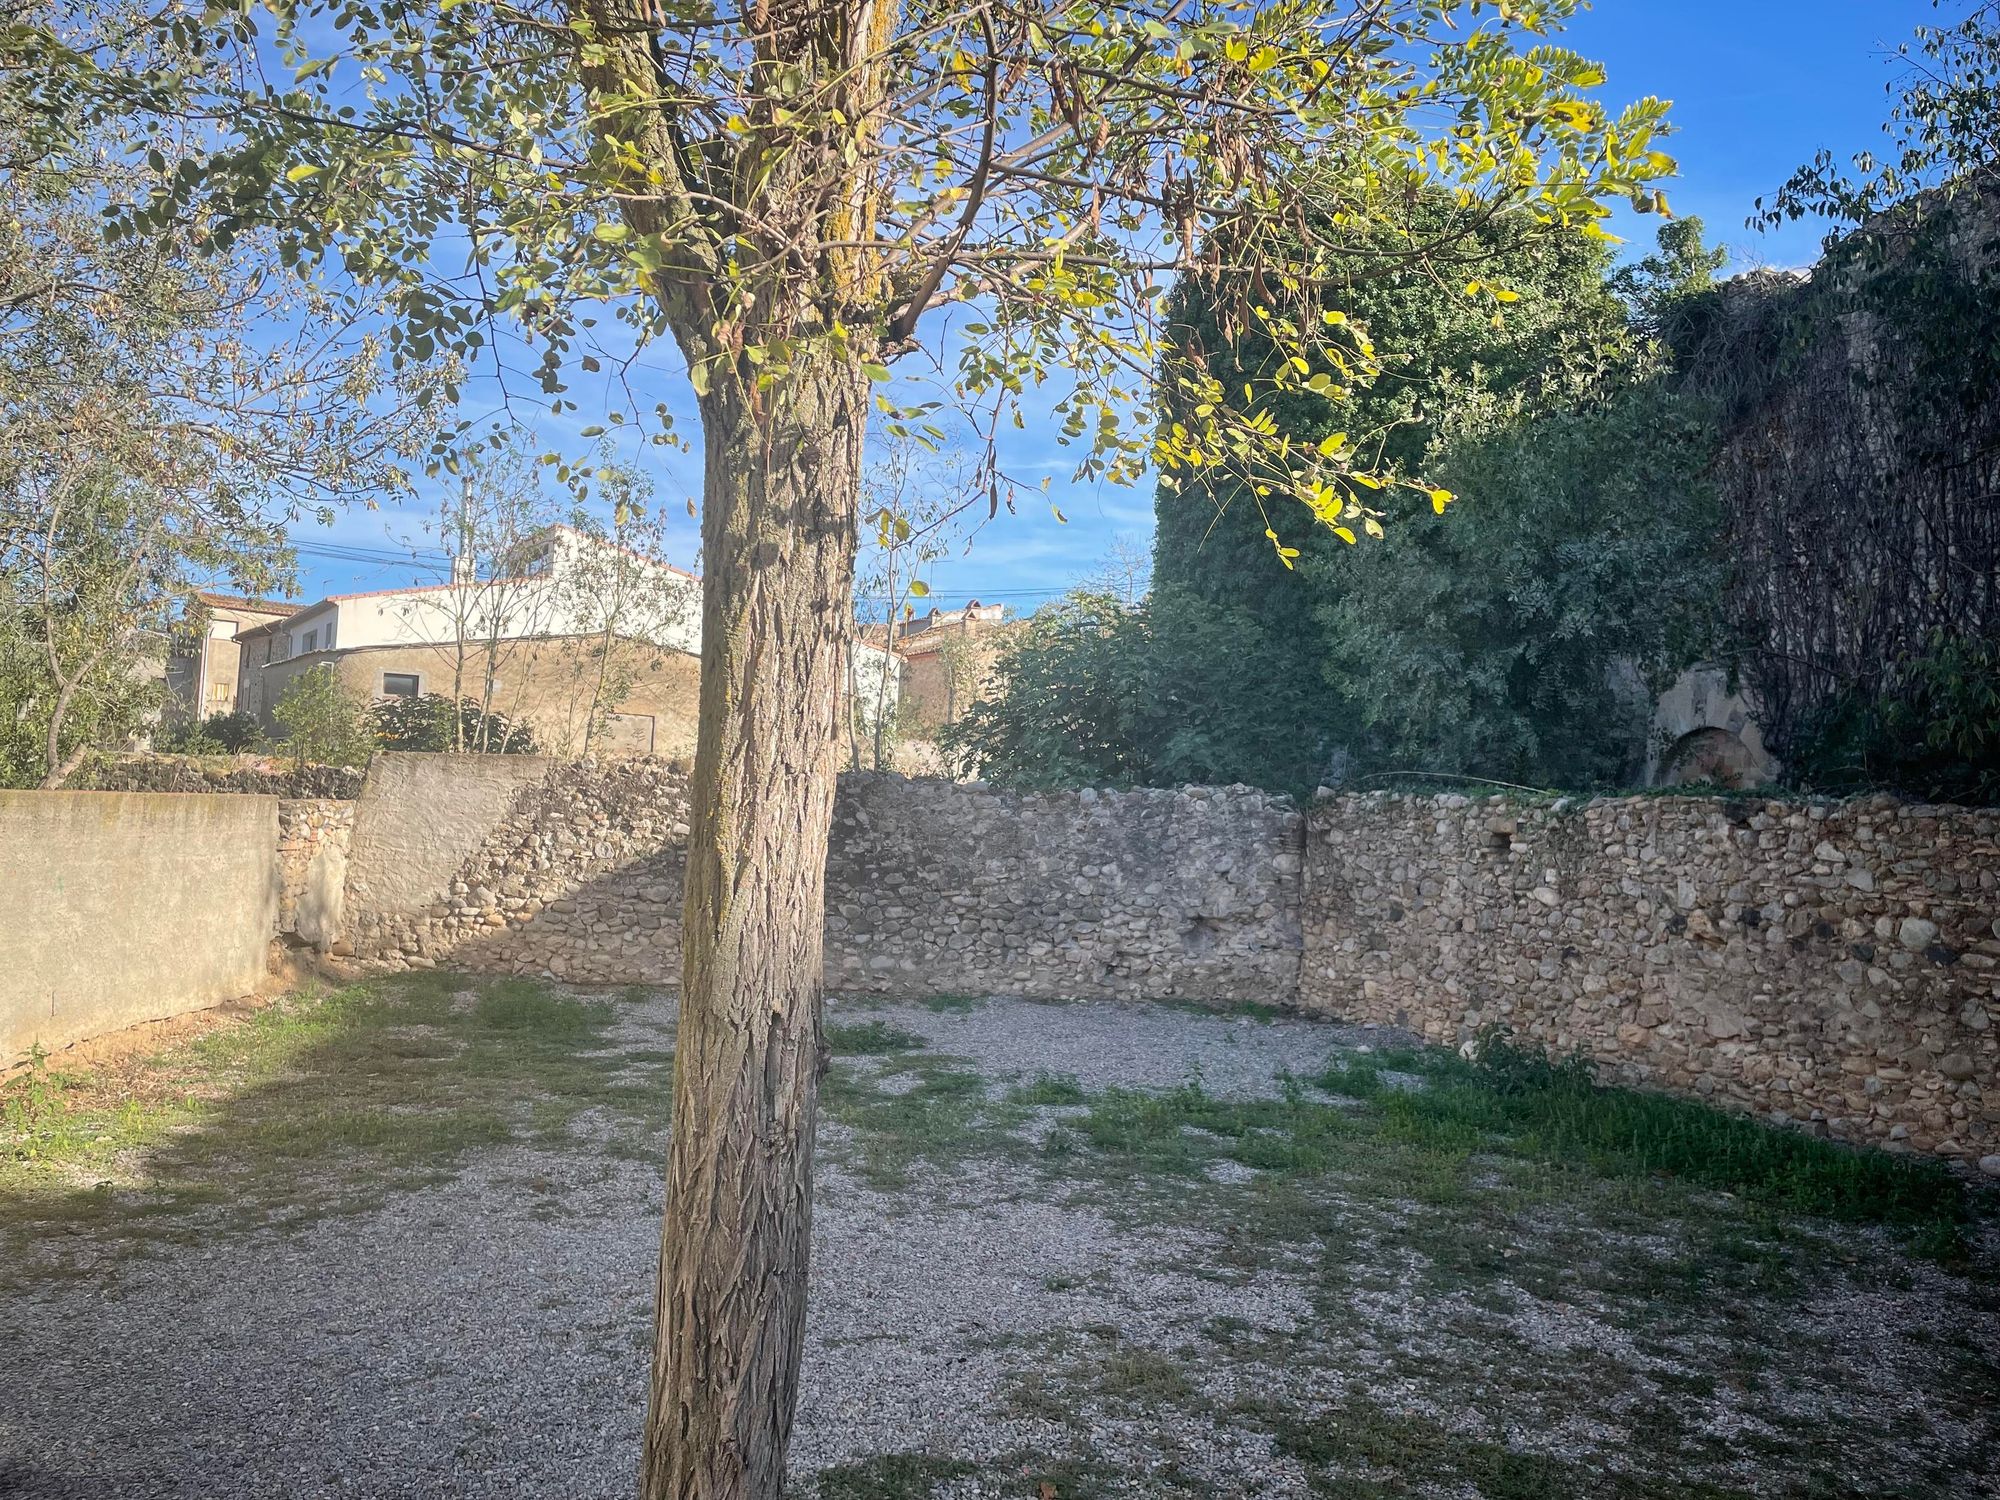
(782, 186)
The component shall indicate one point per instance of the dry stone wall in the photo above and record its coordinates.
(313, 838)
(933, 888)
(579, 880)
(1835, 964)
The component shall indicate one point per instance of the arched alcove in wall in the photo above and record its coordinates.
(1710, 756)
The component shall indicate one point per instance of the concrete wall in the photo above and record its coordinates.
(122, 907)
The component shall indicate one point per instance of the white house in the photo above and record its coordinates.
(527, 643)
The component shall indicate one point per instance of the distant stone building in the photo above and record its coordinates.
(946, 660)
(204, 664)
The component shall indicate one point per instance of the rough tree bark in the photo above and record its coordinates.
(782, 484)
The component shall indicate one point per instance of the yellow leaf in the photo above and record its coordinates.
(1344, 534)
(1440, 499)
(919, 589)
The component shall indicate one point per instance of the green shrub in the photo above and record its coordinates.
(426, 723)
(218, 734)
(187, 739)
(324, 722)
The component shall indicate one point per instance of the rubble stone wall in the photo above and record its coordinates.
(932, 888)
(314, 834)
(1837, 964)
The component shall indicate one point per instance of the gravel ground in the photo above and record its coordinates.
(486, 1336)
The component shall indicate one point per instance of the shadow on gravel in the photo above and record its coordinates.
(323, 1103)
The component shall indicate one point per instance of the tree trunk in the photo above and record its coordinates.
(781, 488)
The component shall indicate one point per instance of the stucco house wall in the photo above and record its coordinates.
(545, 683)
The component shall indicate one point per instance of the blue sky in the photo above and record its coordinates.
(1758, 86)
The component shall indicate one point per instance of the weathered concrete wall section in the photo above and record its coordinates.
(122, 907)
(578, 879)
(933, 888)
(421, 817)
(937, 888)
(1833, 964)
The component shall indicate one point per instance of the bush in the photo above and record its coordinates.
(237, 731)
(218, 734)
(1097, 692)
(426, 723)
(187, 738)
(324, 723)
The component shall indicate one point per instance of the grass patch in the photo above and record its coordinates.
(918, 1107)
(1239, 1010)
(318, 1103)
(919, 1476)
(1049, 1089)
(952, 1005)
(1531, 1106)
(1178, 1132)
(892, 1476)
(871, 1039)
(1360, 1450)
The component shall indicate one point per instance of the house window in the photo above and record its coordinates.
(312, 641)
(329, 635)
(400, 685)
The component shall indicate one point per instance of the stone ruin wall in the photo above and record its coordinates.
(932, 888)
(1834, 964)
(580, 881)
(313, 838)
